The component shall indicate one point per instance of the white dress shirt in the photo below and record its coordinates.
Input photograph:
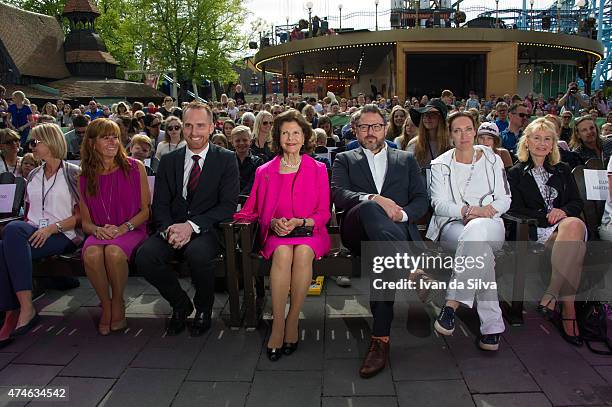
(187, 171)
(378, 168)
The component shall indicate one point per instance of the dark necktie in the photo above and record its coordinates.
(194, 177)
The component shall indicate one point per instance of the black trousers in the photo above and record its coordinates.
(152, 261)
(368, 221)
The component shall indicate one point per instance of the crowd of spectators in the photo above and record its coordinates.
(450, 136)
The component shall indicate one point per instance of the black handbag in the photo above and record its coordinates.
(300, 231)
(591, 316)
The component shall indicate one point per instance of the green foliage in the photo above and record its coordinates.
(198, 38)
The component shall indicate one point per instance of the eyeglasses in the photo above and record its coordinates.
(8, 143)
(33, 142)
(267, 123)
(431, 115)
(172, 128)
(364, 128)
(154, 125)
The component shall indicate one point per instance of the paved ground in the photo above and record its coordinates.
(142, 367)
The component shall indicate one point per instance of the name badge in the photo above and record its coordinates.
(43, 223)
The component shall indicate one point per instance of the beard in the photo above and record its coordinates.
(372, 146)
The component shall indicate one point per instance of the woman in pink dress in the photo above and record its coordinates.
(114, 210)
(289, 192)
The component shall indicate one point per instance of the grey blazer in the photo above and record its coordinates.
(352, 179)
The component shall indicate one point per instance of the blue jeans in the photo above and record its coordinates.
(16, 255)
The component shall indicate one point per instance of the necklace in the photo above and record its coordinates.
(286, 164)
(110, 201)
(469, 179)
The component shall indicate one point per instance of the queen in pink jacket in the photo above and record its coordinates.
(290, 191)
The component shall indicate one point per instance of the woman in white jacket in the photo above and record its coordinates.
(469, 193)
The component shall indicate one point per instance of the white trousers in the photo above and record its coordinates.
(478, 240)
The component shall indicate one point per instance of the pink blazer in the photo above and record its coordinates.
(311, 196)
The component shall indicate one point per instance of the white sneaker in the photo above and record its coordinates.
(343, 281)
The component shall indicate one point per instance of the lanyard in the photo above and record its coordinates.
(467, 182)
(44, 194)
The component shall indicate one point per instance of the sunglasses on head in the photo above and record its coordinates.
(171, 128)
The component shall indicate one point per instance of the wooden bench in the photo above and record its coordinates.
(70, 265)
(339, 262)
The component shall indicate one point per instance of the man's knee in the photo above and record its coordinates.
(202, 251)
(368, 209)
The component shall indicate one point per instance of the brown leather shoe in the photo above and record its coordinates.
(376, 359)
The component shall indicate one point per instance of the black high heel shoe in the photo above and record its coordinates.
(289, 348)
(575, 340)
(547, 313)
(274, 354)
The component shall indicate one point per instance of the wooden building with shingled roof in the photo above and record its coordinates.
(37, 59)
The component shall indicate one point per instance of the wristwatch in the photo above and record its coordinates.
(59, 227)
(129, 226)
(303, 222)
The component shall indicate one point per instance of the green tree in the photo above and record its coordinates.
(197, 37)
(49, 7)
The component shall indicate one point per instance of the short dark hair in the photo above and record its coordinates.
(81, 120)
(289, 116)
(369, 108)
(515, 106)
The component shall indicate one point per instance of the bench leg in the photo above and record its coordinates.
(249, 299)
(513, 310)
(232, 278)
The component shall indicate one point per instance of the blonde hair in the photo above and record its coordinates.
(556, 120)
(320, 134)
(141, 139)
(540, 124)
(241, 130)
(258, 124)
(51, 134)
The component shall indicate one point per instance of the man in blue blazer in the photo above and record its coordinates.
(382, 193)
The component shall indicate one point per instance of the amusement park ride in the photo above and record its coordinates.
(590, 18)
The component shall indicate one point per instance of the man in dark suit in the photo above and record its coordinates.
(382, 192)
(196, 187)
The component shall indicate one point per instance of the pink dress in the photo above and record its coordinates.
(303, 194)
(117, 201)
(285, 210)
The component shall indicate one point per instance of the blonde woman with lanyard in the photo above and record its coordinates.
(52, 214)
(469, 193)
